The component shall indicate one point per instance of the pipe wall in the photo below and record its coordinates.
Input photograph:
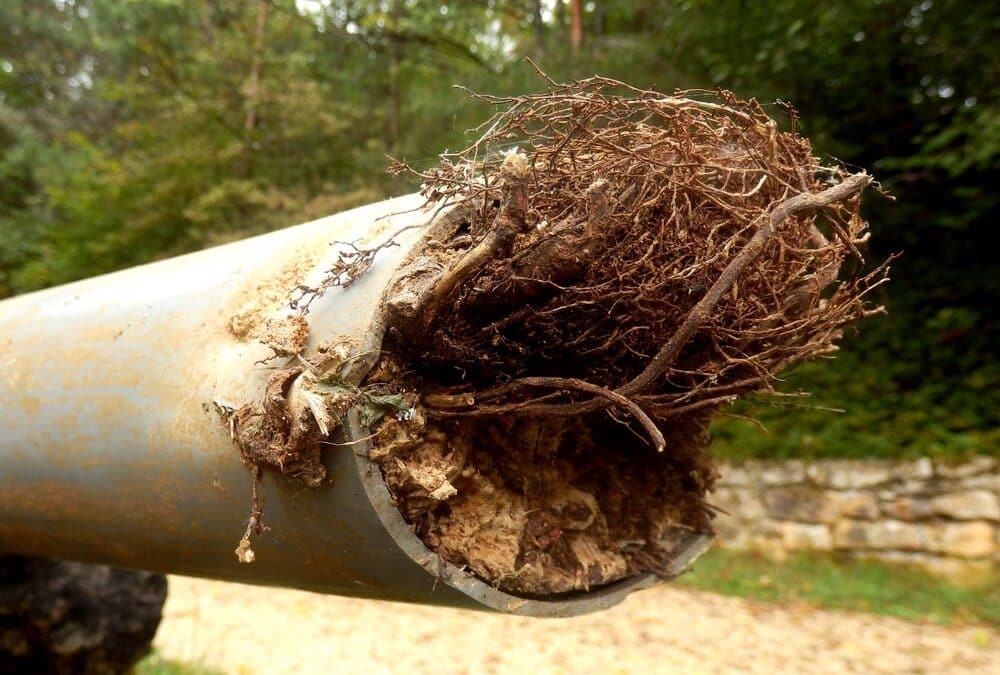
(112, 452)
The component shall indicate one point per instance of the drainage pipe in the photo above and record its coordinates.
(112, 450)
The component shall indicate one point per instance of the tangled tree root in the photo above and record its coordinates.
(641, 260)
(635, 262)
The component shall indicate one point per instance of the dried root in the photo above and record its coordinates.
(639, 258)
(351, 265)
(662, 250)
(301, 409)
(638, 262)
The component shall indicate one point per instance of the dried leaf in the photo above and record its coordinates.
(317, 406)
(332, 384)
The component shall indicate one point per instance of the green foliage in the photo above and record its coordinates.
(860, 585)
(377, 406)
(172, 151)
(131, 131)
(898, 396)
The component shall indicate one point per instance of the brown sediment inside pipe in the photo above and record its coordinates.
(540, 507)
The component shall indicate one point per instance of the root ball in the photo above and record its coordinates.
(637, 261)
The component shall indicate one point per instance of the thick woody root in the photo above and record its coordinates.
(641, 260)
(587, 253)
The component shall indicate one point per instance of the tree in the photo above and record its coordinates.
(576, 24)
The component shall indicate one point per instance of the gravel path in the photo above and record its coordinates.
(245, 629)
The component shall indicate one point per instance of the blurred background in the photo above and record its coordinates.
(135, 130)
(131, 131)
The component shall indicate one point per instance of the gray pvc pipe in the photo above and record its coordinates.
(111, 450)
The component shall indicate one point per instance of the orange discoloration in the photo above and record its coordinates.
(269, 290)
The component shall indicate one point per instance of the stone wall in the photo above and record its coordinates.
(944, 517)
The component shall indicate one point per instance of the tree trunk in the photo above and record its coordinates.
(538, 24)
(576, 24)
(600, 14)
(560, 14)
(253, 88)
(392, 100)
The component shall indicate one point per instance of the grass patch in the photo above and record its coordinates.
(154, 664)
(861, 585)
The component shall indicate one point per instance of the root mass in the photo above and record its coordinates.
(618, 264)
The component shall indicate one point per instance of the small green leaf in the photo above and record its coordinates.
(371, 414)
(376, 406)
(388, 401)
(332, 384)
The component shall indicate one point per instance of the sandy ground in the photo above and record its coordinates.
(243, 629)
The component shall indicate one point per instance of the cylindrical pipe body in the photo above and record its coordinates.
(112, 450)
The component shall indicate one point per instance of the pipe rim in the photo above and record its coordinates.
(571, 604)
